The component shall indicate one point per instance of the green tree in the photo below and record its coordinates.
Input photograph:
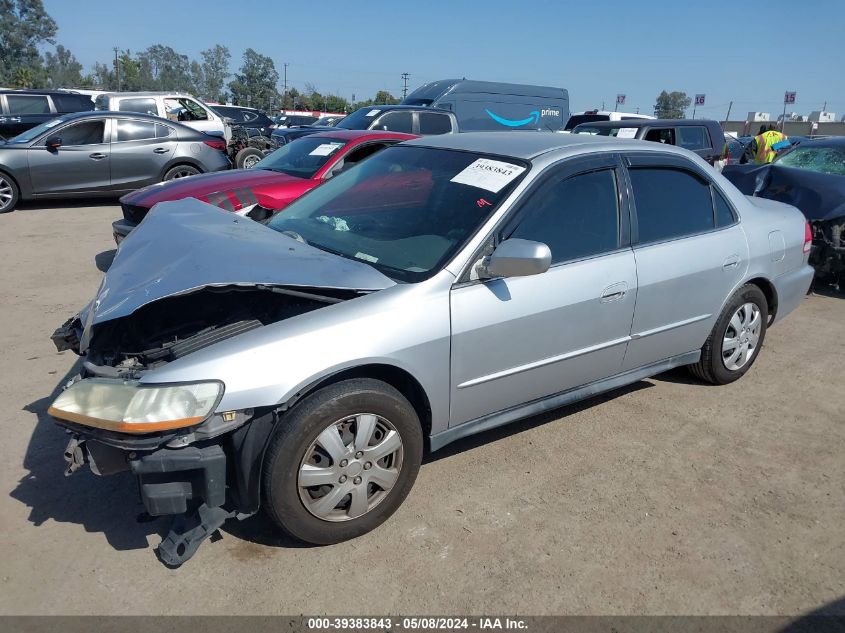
(384, 97)
(215, 70)
(165, 69)
(61, 69)
(24, 25)
(255, 84)
(130, 73)
(23, 78)
(671, 105)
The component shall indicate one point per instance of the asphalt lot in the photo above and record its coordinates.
(668, 497)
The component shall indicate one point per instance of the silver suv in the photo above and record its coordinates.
(444, 286)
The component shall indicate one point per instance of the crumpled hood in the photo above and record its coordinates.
(819, 196)
(206, 185)
(186, 245)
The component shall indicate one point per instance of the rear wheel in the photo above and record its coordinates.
(736, 339)
(9, 194)
(181, 171)
(342, 461)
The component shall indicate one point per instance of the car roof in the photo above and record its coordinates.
(525, 144)
(94, 114)
(388, 107)
(354, 135)
(35, 91)
(647, 123)
(148, 93)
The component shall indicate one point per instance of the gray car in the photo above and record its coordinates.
(95, 154)
(443, 287)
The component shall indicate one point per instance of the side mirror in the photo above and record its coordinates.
(54, 142)
(516, 258)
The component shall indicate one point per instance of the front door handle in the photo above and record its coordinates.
(731, 262)
(161, 150)
(614, 292)
(97, 156)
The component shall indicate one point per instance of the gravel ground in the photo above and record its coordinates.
(667, 497)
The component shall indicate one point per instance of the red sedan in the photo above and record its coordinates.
(276, 181)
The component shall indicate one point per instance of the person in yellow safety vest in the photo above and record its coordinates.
(761, 146)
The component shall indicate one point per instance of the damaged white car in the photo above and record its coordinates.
(445, 286)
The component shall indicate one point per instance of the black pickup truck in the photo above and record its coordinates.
(21, 110)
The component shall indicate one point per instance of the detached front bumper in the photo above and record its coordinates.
(201, 484)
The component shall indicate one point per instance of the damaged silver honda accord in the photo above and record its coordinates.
(443, 287)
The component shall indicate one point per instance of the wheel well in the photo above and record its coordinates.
(397, 378)
(180, 163)
(771, 295)
(13, 179)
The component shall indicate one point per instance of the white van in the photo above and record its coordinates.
(591, 116)
(176, 106)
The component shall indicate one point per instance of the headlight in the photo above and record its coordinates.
(130, 407)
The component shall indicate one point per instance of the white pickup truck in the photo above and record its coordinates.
(176, 106)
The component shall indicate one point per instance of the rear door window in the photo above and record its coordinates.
(28, 104)
(144, 106)
(661, 135)
(670, 203)
(72, 103)
(693, 137)
(135, 130)
(433, 123)
(396, 122)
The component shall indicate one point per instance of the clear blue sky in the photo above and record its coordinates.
(748, 51)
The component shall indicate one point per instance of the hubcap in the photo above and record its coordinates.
(250, 162)
(183, 173)
(5, 193)
(741, 336)
(350, 468)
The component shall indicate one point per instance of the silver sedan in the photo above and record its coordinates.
(94, 154)
(441, 288)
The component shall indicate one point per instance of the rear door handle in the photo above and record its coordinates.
(731, 262)
(97, 156)
(161, 150)
(614, 292)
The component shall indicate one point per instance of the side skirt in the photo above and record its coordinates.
(535, 407)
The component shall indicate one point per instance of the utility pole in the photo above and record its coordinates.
(405, 77)
(117, 67)
(728, 115)
(285, 93)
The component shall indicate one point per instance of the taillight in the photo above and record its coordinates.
(218, 144)
(808, 237)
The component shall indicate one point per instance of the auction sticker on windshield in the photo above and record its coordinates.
(626, 132)
(492, 175)
(373, 112)
(325, 149)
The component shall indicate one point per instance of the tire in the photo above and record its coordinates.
(181, 171)
(736, 339)
(328, 418)
(248, 157)
(9, 193)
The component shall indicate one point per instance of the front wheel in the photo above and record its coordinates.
(248, 158)
(181, 171)
(342, 461)
(736, 339)
(9, 194)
